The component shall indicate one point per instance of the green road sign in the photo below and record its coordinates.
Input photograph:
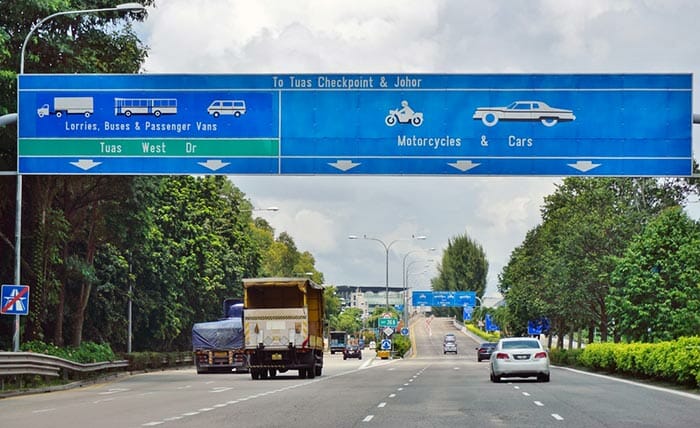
(388, 322)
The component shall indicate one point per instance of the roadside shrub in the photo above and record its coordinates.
(599, 356)
(401, 345)
(88, 352)
(488, 337)
(565, 357)
(673, 361)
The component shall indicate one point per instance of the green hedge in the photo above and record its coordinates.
(88, 352)
(677, 361)
(401, 345)
(488, 337)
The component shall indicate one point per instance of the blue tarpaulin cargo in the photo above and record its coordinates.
(222, 334)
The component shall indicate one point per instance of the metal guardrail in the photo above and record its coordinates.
(20, 363)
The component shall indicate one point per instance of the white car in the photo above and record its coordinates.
(523, 110)
(519, 357)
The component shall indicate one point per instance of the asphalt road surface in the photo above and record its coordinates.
(427, 389)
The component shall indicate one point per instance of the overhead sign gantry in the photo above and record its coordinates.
(357, 124)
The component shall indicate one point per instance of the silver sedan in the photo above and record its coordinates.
(519, 357)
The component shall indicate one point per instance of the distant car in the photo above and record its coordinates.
(449, 343)
(372, 345)
(449, 346)
(483, 351)
(523, 110)
(352, 351)
(519, 357)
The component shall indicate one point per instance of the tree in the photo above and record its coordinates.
(104, 42)
(587, 224)
(655, 294)
(463, 268)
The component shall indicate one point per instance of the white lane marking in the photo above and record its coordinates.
(173, 418)
(392, 395)
(410, 380)
(222, 389)
(527, 394)
(184, 387)
(399, 389)
(367, 418)
(44, 410)
(381, 405)
(539, 403)
(557, 417)
(641, 385)
(102, 401)
(152, 424)
(366, 364)
(405, 384)
(516, 387)
(455, 368)
(113, 391)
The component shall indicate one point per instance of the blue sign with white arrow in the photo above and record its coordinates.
(416, 124)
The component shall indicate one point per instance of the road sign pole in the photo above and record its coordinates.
(15, 337)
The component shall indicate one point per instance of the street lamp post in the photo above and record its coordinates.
(405, 283)
(405, 302)
(124, 7)
(386, 249)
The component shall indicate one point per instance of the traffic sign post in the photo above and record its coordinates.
(14, 299)
(417, 124)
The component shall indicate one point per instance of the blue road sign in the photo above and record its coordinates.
(385, 345)
(444, 298)
(421, 298)
(14, 299)
(404, 331)
(416, 124)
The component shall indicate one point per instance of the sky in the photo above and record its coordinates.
(414, 36)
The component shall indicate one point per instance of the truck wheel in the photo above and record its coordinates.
(254, 374)
(273, 373)
(311, 372)
(318, 369)
(302, 373)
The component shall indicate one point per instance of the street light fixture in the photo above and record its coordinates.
(405, 300)
(123, 7)
(406, 287)
(386, 249)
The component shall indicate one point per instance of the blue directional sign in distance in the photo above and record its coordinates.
(444, 298)
(417, 124)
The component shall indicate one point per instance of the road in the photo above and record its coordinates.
(428, 389)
